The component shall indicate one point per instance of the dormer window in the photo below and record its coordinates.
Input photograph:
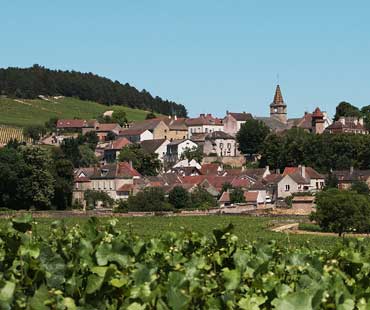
(104, 172)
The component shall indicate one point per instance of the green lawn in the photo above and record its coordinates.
(246, 228)
(21, 112)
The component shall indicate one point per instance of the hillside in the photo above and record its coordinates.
(23, 112)
(29, 83)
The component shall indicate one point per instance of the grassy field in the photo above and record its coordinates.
(21, 112)
(246, 228)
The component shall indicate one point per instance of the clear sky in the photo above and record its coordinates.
(211, 56)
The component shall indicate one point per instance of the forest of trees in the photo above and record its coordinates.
(28, 83)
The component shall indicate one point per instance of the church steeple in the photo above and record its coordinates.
(278, 108)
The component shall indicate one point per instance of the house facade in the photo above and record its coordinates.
(157, 146)
(233, 121)
(136, 135)
(176, 148)
(352, 125)
(220, 144)
(102, 130)
(205, 123)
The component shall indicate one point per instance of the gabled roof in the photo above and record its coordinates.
(149, 124)
(241, 182)
(241, 117)
(218, 135)
(210, 169)
(126, 188)
(310, 172)
(225, 197)
(107, 127)
(132, 132)
(251, 196)
(204, 119)
(177, 142)
(297, 177)
(151, 146)
(118, 144)
(116, 170)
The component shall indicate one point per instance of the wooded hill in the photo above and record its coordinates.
(29, 83)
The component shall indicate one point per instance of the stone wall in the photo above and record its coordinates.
(234, 161)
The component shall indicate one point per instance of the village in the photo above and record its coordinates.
(221, 168)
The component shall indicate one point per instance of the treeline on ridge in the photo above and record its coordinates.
(28, 83)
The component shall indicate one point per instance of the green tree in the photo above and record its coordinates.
(150, 199)
(179, 197)
(91, 139)
(36, 184)
(365, 111)
(119, 117)
(251, 135)
(51, 124)
(342, 211)
(145, 163)
(34, 132)
(346, 109)
(150, 115)
(202, 199)
(87, 157)
(93, 197)
(331, 181)
(360, 187)
(193, 153)
(110, 136)
(237, 195)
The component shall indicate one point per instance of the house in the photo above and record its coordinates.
(233, 121)
(299, 179)
(157, 146)
(114, 179)
(221, 144)
(75, 125)
(348, 125)
(186, 168)
(347, 177)
(205, 123)
(251, 199)
(82, 183)
(102, 130)
(112, 150)
(136, 135)
(156, 126)
(176, 148)
(178, 130)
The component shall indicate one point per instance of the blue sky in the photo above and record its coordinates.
(212, 56)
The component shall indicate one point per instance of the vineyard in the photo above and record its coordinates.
(7, 133)
(97, 266)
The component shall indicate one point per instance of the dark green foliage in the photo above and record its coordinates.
(150, 116)
(91, 139)
(342, 211)
(331, 181)
(145, 163)
(150, 199)
(34, 132)
(81, 155)
(31, 82)
(119, 117)
(93, 197)
(237, 195)
(51, 124)
(346, 109)
(98, 266)
(201, 199)
(251, 136)
(110, 136)
(179, 198)
(360, 187)
(322, 152)
(14, 144)
(193, 153)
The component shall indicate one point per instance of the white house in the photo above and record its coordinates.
(177, 147)
(205, 123)
(136, 135)
(158, 146)
(221, 144)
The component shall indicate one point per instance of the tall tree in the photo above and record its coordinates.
(179, 197)
(251, 135)
(346, 109)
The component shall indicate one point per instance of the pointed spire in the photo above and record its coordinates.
(278, 98)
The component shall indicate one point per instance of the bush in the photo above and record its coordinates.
(179, 197)
(309, 227)
(342, 211)
(150, 199)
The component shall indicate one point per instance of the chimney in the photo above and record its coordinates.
(130, 163)
(361, 121)
(227, 112)
(277, 171)
(303, 170)
(202, 115)
(351, 169)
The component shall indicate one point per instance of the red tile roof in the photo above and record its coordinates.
(126, 188)
(225, 197)
(241, 117)
(250, 196)
(118, 144)
(317, 113)
(107, 127)
(209, 169)
(132, 132)
(203, 119)
(125, 169)
(244, 183)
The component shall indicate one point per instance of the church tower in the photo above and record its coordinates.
(278, 108)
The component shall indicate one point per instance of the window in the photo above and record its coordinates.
(317, 185)
(287, 187)
(221, 145)
(206, 129)
(229, 145)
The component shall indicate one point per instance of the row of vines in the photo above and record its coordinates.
(8, 133)
(96, 266)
